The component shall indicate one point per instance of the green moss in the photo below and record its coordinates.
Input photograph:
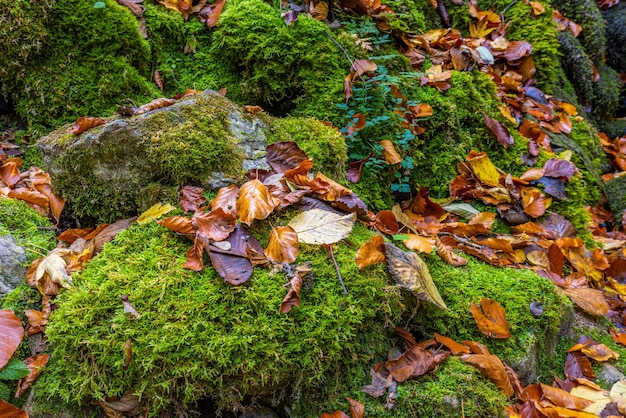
(95, 59)
(587, 14)
(534, 338)
(31, 230)
(323, 144)
(615, 18)
(199, 336)
(616, 195)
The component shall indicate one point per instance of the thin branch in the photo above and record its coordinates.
(332, 255)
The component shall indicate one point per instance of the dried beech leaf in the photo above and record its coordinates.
(618, 395)
(419, 243)
(191, 198)
(226, 199)
(10, 172)
(255, 202)
(490, 318)
(85, 123)
(450, 344)
(589, 300)
(493, 368)
(390, 154)
(371, 252)
(11, 333)
(127, 406)
(255, 110)
(411, 273)
(35, 365)
(317, 226)
(292, 298)
(283, 245)
(412, 363)
(336, 414)
(285, 155)
(577, 365)
(500, 131)
(448, 255)
(179, 224)
(379, 385)
(8, 410)
(216, 225)
(357, 409)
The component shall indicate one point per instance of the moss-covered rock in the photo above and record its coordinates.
(616, 195)
(200, 337)
(125, 166)
(615, 18)
(96, 59)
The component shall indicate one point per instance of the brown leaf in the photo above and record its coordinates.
(191, 198)
(412, 363)
(85, 123)
(558, 226)
(255, 110)
(533, 201)
(422, 205)
(357, 409)
(381, 380)
(234, 265)
(10, 411)
(353, 174)
(386, 222)
(448, 255)
(292, 298)
(419, 243)
(407, 337)
(226, 199)
(194, 255)
(476, 347)
(589, 300)
(336, 414)
(371, 252)
(216, 225)
(319, 11)
(361, 67)
(107, 234)
(490, 318)
(128, 352)
(127, 406)
(577, 365)
(494, 369)
(593, 349)
(180, 225)
(516, 51)
(283, 245)
(11, 333)
(285, 155)
(10, 171)
(30, 196)
(255, 202)
(618, 337)
(35, 366)
(563, 399)
(450, 344)
(390, 154)
(211, 13)
(136, 8)
(36, 322)
(556, 167)
(500, 131)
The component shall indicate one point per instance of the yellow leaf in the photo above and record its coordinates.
(155, 212)
(483, 168)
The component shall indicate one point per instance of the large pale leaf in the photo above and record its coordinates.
(411, 273)
(317, 226)
(618, 395)
(11, 333)
(53, 266)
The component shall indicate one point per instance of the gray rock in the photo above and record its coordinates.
(12, 269)
(610, 374)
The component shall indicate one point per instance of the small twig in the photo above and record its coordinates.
(332, 255)
(507, 8)
(345, 53)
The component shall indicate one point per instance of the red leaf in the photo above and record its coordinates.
(386, 222)
(216, 225)
(194, 256)
(211, 14)
(500, 131)
(11, 333)
(85, 123)
(191, 198)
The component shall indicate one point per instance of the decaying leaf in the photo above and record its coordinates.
(500, 131)
(11, 333)
(127, 405)
(454, 347)
(317, 226)
(226, 199)
(128, 308)
(35, 365)
(292, 298)
(283, 245)
(390, 154)
(618, 395)
(357, 409)
(448, 255)
(577, 365)
(493, 368)
(490, 318)
(53, 266)
(371, 252)
(594, 349)
(285, 155)
(154, 212)
(411, 273)
(380, 382)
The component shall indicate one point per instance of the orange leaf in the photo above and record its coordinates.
(483, 218)
(453, 346)
(593, 349)
(448, 255)
(179, 224)
(500, 131)
(407, 337)
(30, 196)
(336, 414)
(390, 154)
(589, 300)
(494, 369)
(85, 123)
(533, 201)
(361, 67)
(55, 202)
(8, 410)
(216, 225)
(36, 322)
(292, 298)
(357, 409)
(283, 245)
(419, 243)
(618, 337)
(490, 318)
(253, 109)
(211, 13)
(422, 110)
(412, 363)
(386, 222)
(255, 202)
(371, 252)
(532, 174)
(559, 397)
(35, 365)
(226, 199)
(10, 172)
(285, 155)
(194, 256)
(11, 333)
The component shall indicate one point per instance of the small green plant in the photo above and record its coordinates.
(379, 100)
(13, 370)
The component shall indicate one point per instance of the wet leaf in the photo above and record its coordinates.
(490, 318)
(589, 300)
(154, 212)
(226, 199)
(235, 265)
(285, 155)
(317, 226)
(353, 174)
(283, 245)
(494, 369)
(85, 123)
(11, 333)
(386, 222)
(180, 225)
(390, 154)
(500, 131)
(191, 198)
(411, 273)
(255, 202)
(422, 205)
(35, 365)
(216, 225)
(371, 252)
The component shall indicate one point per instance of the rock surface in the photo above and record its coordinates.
(12, 269)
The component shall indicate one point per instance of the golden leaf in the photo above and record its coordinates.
(155, 212)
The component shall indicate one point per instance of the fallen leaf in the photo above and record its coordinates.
(11, 333)
(448, 255)
(371, 252)
(254, 202)
(135, 7)
(589, 300)
(556, 167)
(319, 11)
(10, 171)
(216, 225)
(411, 273)
(53, 266)
(128, 308)
(419, 243)
(390, 154)
(210, 14)
(108, 233)
(128, 352)
(454, 347)
(255, 110)
(357, 409)
(336, 414)
(407, 337)
(386, 222)
(317, 226)
(285, 155)
(180, 225)
(85, 123)
(283, 245)
(127, 406)
(618, 395)
(562, 398)
(292, 298)
(36, 322)
(533, 201)
(226, 199)
(154, 212)
(412, 363)
(593, 349)
(500, 131)
(35, 365)
(490, 318)
(577, 365)
(10, 411)
(493, 368)
(380, 382)
(191, 198)
(483, 168)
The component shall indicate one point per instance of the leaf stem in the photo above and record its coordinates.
(332, 255)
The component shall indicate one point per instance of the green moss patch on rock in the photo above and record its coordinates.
(198, 336)
(616, 195)
(32, 231)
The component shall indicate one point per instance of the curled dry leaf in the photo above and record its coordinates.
(407, 337)
(255, 110)
(390, 154)
(357, 409)
(448, 255)
(386, 222)
(317, 226)
(191, 198)
(53, 267)
(283, 245)
(381, 380)
(419, 243)
(371, 252)
(494, 369)
(292, 298)
(127, 406)
(454, 347)
(593, 349)
(226, 199)
(11, 333)
(10, 171)
(36, 322)
(85, 123)
(35, 365)
(490, 318)
(411, 273)
(180, 225)
(216, 225)
(255, 202)
(319, 11)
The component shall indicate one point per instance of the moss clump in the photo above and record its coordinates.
(615, 18)
(198, 336)
(95, 59)
(616, 195)
(323, 144)
(31, 230)
(534, 338)
(587, 14)
(457, 127)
